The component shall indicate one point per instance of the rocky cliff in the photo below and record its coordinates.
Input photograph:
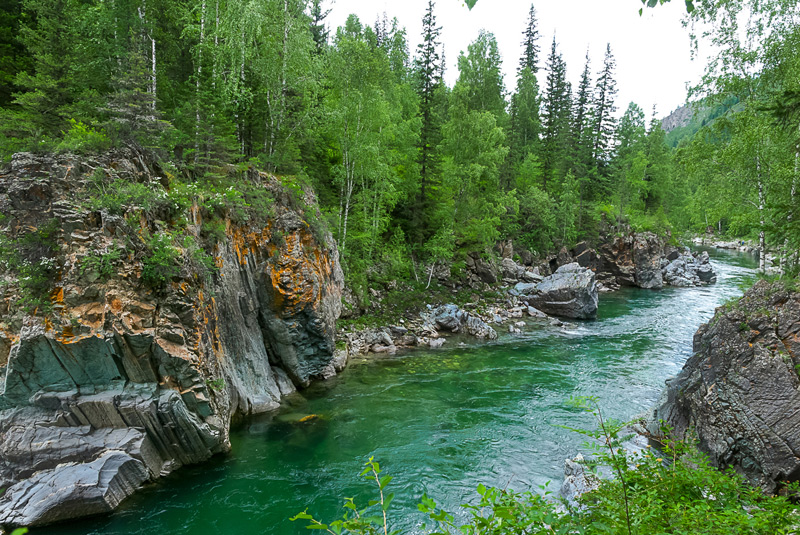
(110, 382)
(740, 391)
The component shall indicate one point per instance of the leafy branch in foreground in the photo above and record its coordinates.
(674, 491)
(355, 520)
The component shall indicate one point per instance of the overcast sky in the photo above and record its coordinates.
(652, 51)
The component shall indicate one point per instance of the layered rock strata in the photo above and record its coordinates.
(120, 384)
(740, 391)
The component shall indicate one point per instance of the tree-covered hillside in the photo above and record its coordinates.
(408, 170)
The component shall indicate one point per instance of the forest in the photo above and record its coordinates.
(410, 172)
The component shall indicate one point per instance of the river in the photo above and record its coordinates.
(439, 421)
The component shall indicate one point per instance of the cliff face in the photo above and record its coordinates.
(739, 391)
(119, 384)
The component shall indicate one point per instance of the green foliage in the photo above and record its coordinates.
(32, 256)
(101, 263)
(160, 264)
(217, 385)
(199, 262)
(83, 139)
(368, 520)
(674, 491)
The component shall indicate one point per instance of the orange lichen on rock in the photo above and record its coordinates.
(298, 273)
(57, 295)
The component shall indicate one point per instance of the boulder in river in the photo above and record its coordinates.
(452, 319)
(686, 270)
(740, 391)
(576, 481)
(570, 292)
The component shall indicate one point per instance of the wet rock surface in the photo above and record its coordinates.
(570, 292)
(685, 269)
(121, 384)
(739, 391)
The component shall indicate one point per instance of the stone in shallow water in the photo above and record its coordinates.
(570, 292)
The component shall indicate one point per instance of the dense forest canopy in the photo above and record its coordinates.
(409, 171)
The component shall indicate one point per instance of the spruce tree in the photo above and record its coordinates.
(530, 54)
(318, 30)
(525, 124)
(581, 146)
(604, 109)
(556, 116)
(427, 64)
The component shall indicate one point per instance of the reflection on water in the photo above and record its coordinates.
(439, 421)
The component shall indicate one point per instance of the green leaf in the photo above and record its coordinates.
(387, 501)
(299, 516)
(470, 3)
(317, 526)
(385, 481)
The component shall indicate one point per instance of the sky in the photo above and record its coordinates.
(654, 63)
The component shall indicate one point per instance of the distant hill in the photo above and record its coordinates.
(687, 120)
(678, 118)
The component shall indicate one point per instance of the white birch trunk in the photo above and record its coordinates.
(762, 238)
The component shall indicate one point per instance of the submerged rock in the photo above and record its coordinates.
(740, 391)
(570, 292)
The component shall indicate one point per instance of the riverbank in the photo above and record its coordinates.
(440, 421)
(506, 296)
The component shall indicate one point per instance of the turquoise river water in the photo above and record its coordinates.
(440, 421)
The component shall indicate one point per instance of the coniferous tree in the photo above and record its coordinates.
(319, 32)
(604, 109)
(530, 47)
(428, 73)
(582, 164)
(556, 113)
(525, 123)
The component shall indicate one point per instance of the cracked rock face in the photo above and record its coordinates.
(120, 385)
(570, 292)
(739, 391)
(633, 260)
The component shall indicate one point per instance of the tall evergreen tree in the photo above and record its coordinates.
(525, 123)
(319, 32)
(427, 64)
(530, 48)
(555, 118)
(604, 109)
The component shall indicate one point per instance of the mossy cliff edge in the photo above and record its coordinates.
(141, 315)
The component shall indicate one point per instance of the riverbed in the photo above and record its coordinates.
(440, 421)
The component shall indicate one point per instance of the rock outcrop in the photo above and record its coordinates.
(119, 384)
(633, 260)
(739, 392)
(570, 292)
(686, 269)
(452, 319)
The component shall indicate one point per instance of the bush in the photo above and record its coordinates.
(101, 263)
(160, 265)
(83, 139)
(200, 263)
(32, 257)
